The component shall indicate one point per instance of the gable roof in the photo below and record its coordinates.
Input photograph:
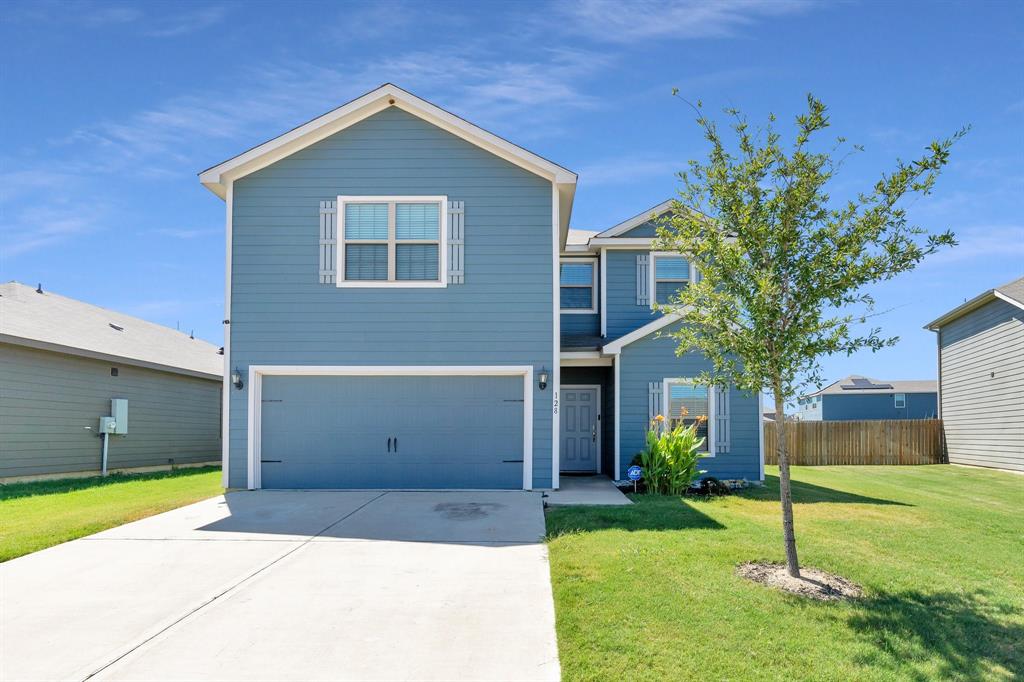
(1011, 292)
(636, 221)
(856, 384)
(216, 178)
(50, 321)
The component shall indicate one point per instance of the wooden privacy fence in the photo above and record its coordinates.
(895, 441)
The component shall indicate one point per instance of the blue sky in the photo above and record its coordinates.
(109, 111)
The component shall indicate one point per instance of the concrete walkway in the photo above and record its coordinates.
(282, 585)
(586, 490)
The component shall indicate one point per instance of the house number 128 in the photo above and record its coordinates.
(554, 403)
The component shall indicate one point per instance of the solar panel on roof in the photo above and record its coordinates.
(862, 384)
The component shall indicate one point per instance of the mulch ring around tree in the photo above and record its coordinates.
(812, 582)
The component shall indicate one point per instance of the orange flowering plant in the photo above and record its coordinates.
(670, 455)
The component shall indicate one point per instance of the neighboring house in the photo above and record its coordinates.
(406, 309)
(856, 397)
(61, 363)
(981, 378)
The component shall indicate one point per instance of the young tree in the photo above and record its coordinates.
(782, 265)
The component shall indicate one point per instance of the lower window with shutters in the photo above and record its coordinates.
(684, 401)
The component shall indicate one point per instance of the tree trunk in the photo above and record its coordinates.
(785, 494)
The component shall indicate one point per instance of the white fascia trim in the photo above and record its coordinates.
(257, 372)
(618, 344)
(760, 433)
(442, 244)
(604, 293)
(616, 366)
(225, 435)
(362, 107)
(590, 361)
(652, 270)
(1011, 301)
(635, 221)
(573, 249)
(600, 419)
(593, 285)
(667, 382)
(556, 337)
(623, 242)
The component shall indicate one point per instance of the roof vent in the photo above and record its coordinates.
(114, 326)
(39, 288)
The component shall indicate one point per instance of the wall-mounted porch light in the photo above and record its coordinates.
(236, 379)
(542, 378)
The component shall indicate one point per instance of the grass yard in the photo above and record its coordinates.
(649, 591)
(46, 513)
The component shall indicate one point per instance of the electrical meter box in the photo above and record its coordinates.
(108, 425)
(119, 411)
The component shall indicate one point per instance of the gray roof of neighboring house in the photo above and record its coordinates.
(1011, 292)
(860, 385)
(579, 236)
(54, 322)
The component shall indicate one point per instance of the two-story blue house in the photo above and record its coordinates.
(405, 308)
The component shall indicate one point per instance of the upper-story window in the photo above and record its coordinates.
(578, 285)
(392, 241)
(669, 274)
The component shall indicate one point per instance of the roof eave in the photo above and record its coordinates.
(216, 178)
(962, 310)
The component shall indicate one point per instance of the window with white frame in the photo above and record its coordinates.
(900, 400)
(392, 241)
(688, 402)
(670, 273)
(577, 284)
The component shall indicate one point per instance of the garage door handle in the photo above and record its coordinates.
(389, 444)
(396, 444)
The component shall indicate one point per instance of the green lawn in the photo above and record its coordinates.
(46, 513)
(649, 592)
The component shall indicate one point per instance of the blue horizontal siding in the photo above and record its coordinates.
(653, 358)
(882, 406)
(624, 315)
(280, 314)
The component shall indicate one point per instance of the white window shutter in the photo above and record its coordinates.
(456, 242)
(642, 279)
(654, 407)
(328, 241)
(722, 419)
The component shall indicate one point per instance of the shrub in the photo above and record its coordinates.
(670, 456)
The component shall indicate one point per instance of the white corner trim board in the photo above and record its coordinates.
(257, 372)
(225, 440)
(556, 338)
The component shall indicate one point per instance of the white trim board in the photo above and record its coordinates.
(635, 221)
(257, 372)
(600, 421)
(225, 415)
(616, 346)
(216, 177)
(556, 336)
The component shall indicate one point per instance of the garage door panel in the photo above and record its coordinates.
(445, 431)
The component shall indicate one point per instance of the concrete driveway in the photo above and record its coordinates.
(282, 585)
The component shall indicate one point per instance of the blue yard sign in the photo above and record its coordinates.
(635, 473)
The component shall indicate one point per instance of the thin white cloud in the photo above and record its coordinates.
(187, 22)
(626, 170)
(39, 226)
(980, 243)
(630, 21)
